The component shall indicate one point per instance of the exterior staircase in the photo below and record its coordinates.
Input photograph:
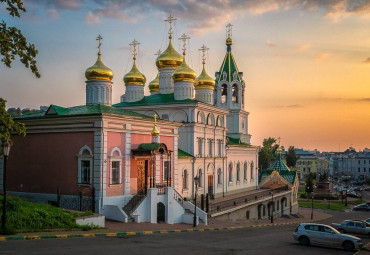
(132, 205)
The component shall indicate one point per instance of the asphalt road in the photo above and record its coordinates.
(265, 240)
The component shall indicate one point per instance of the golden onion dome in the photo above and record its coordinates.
(154, 84)
(99, 71)
(169, 58)
(155, 131)
(279, 150)
(134, 77)
(184, 73)
(204, 81)
(229, 41)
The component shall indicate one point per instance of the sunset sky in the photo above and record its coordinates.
(306, 63)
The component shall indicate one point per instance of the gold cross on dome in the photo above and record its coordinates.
(159, 52)
(183, 38)
(204, 49)
(155, 119)
(134, 44)
(170, 19)
(99, 38)
(229, 30)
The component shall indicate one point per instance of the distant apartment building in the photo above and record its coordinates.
(353, 164)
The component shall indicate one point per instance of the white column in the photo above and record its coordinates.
(127, 159)
(175, 157)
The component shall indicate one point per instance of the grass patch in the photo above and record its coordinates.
(25, 216)
(333, 205)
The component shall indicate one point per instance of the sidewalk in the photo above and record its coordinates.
(113, 228)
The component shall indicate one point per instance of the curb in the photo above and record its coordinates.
(150, 232)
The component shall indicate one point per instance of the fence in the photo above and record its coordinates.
(78, 202)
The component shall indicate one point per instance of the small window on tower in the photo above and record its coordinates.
(235, 93)
(165, 116)
(224, 94)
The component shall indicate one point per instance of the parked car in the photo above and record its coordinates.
(320, 234)
(364, 221)
(362, 207)
(353, 227)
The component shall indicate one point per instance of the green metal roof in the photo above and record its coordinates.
(157, 99)
(98, 109)
(229, 67)
(183, 154)
(149, 146)
(236, 142)
(279, 165)
(288, 175)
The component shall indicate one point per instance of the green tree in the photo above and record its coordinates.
(291, 157)
(13, 43)
(7, 124)
(309, 182)
(267, 153)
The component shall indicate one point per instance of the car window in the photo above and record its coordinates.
(350, 224)
(327, 230)
(312, 227)
(359, 225)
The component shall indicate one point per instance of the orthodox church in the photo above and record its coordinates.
(144, 158)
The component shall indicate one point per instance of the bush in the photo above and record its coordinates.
(303, 195)
(325, 196)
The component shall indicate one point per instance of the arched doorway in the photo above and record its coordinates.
(160, 212)
(260, 211)
(270, 208)
(283, 203)
(210, 185)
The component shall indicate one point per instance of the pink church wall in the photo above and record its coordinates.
(44, 162)
(115, 139)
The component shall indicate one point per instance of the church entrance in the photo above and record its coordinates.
(210, 186)
(160, 212)
(142, 171)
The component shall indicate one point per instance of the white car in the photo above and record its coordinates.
(320, 234)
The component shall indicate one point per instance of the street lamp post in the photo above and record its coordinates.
(313, 194)
(196, 182)
(6, 149)
(272, 207)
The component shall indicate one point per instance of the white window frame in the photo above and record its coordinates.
(118, 159)
(82, 158)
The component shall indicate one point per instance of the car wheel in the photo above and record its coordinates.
(303, 240)
(342, 231)
(348, 246)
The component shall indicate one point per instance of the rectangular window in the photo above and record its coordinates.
(85, 172)
(210, 148)
(166, 171)
(115, 173)
(200, 147)
(219, 148)
(364, 169)
(359, 169)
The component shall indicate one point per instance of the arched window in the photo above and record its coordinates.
(238, 172)
(200, 175)
(219, 176)
(252, 170)
(245, 171)
(185, 179)
(85, 165)
(115, 166)
(235, 96)
(230, 172)
(223, 94)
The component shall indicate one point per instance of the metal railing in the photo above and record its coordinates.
(178, 197)
(218, 206)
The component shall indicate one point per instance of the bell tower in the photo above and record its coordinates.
(230, 93)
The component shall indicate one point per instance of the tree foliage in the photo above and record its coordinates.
(267, 153)
(13, 43)
(291, 157)
(7, 124)
(309, 182)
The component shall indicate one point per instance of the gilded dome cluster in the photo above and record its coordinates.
(99, 71)
(204, 81)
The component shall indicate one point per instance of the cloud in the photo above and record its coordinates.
(303, 47)
(57, 4)
(290, 106)
(270, 43)
(366, 99)
(367, 61)
(90, 18)
(322, 57)
(53, 13)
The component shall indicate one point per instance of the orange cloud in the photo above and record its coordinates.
(322, 57)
